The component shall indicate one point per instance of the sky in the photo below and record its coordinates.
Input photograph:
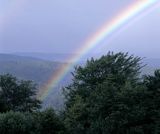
(62, 26)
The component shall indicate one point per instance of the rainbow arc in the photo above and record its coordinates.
(110, 27)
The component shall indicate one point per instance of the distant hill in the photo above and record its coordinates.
(34, 69)
(63, 57)
(37, 70)
(60, 57)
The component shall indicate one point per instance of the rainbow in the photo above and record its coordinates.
(123, 18)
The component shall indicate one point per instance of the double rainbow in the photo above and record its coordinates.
(130, 13)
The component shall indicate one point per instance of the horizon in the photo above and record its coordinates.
(23, 31)
(30, 54)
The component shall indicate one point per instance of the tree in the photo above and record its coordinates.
(99, 93)
(123, 111)
(17, 95)
(153, 99)
(45, 122)
(77, 117)
(49, 123)
(16, 123)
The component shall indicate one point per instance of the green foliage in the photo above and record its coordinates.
(116, 68)
(46, 122)
(20, 96)
(107, 96)
(76, 116)
(17, 95)
(153, 99)
(16, 123)
(119, 111)
(49, 123)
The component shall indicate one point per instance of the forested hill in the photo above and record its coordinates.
(28, 68)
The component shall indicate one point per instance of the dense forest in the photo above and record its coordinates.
(106, 96)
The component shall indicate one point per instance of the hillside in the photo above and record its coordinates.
(34, 69)
(60, 57)
(28, 68)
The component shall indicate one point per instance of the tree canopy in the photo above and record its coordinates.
(108, 96)
(17, 95)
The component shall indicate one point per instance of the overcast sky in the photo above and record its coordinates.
(61, 26)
